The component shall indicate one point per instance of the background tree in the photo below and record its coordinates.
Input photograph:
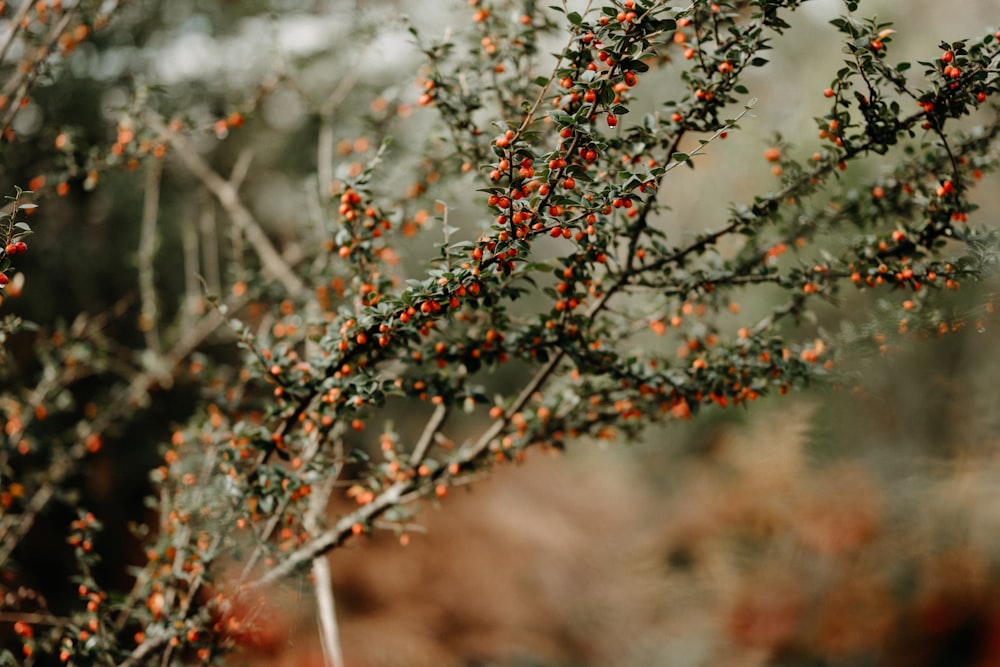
(421, 284)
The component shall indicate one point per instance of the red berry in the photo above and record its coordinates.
(612, 120)
(4, 279)
(10, 249)
(21, 246)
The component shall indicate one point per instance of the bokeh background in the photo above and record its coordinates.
(853, 525)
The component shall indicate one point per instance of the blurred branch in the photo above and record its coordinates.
(272, 262)
(125, 401)
(209, 245)
(147, 253)
(427, 437)
(22, 81)
(329, 633)
(58, 470)
(14, 24)
(322, 583)
(192, 295)
(324, 148)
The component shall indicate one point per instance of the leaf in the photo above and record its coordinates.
(27, 207)
(559, 116)
(358, 456)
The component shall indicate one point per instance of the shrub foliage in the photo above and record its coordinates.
(563, 300)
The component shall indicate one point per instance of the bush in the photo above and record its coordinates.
(395, 335)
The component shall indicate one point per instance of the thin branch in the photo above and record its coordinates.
(209, 241)
(326, 610)
(63, 466)
(333, 536)
(329, 633)
(427, 437)
(148, 646)
(57, 471)
(28, 78)
(15, 24)
(149, 310)
(192, 307)
(272, 263)
(536, 382)
(241, 168)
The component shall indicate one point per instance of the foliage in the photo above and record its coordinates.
(569, 305)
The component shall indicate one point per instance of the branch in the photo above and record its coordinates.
(272, 263)
(15, 25)
(24, 82)
(329, 632)
(147, 253)
(427, 437)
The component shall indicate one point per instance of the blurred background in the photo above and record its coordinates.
(841, 526)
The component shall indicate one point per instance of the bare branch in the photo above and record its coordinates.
(272, 262)
(147, 254)
(427, 437)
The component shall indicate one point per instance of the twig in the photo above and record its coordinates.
(27, 79)
(147, 647)
(329, 632)
(147, 253)
(15, 25)
(192, 294)
(272, 262)
(209, 241)
(427, 437)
